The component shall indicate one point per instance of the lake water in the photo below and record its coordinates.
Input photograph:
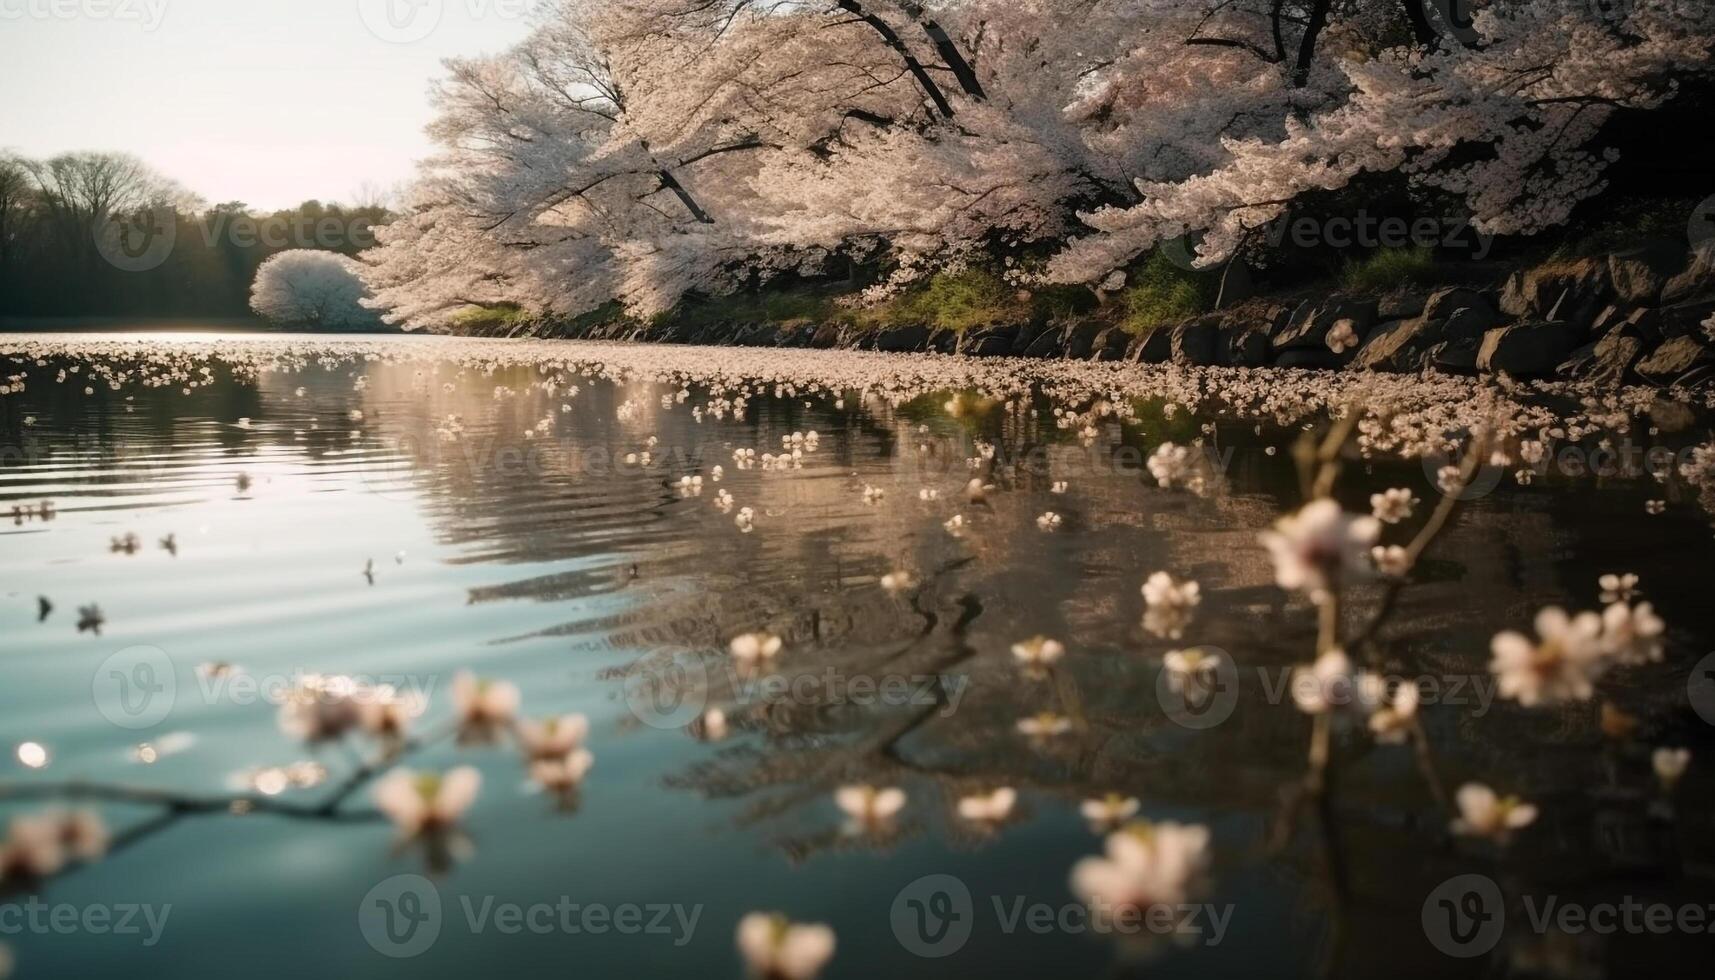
(504, 530)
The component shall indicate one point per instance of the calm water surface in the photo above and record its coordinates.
(517, 541)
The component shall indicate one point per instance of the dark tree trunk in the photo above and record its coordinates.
(1307, 44)
(892, 39)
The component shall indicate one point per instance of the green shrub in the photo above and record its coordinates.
(1390, 269)
(491, 319)
(956, 301)
(1163, 293)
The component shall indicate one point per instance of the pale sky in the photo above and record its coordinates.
(270, 102)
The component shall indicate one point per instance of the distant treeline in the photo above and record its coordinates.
(101, 234)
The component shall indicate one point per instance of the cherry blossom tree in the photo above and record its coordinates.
(311, 287)
(640, 151)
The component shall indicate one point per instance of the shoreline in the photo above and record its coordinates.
(1639, 315)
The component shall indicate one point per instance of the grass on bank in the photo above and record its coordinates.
(1389, 269)
(1163, 293)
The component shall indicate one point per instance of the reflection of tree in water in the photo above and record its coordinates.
(667, 578)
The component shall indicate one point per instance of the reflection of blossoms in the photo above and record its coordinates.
(1190, 667)
(1110, 811)
(1618, 588)
(322, 707)
(561, 773)
(868, 808)
(39, 845)
(1317, 548)
(775, 948)
(552, 738)
(753, 648)
(1484, 814)
(991, 807)
(1038, 651)
(1632, 635)
(422, 803)
(1162, 590)
(1561, 666)
(1146, 865)
(1392, 715)
(1168, 605)
(1327, 684)
(388, 714)
(1045, 725)
(1669, 765)
(484, 706)
(1177, 466)
(1392, 561)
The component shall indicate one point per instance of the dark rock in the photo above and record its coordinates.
(1472, 322)
(1643, 323)
(1574, 287)
(1283, 321)
(988, 341)
(1697, 278)
(1307, 357)
(1686, 319)
(1401, 346)
(1157, 346)
(1454, 357)
(1080, 338)
(1640, 273)
(902, 340)
(1309, 329)
(1048, 344)
(1526, 350)
(1674, 359)
(756, 335)
(1443, 303)
(1244, 346)
(1027, 337)
(1611, 316)
(1236, 285)
(827, 336)
(795, 333)
(1608, 361)
(943, 341)
(1194, 343)
(1402, 304)
(1110, 345)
